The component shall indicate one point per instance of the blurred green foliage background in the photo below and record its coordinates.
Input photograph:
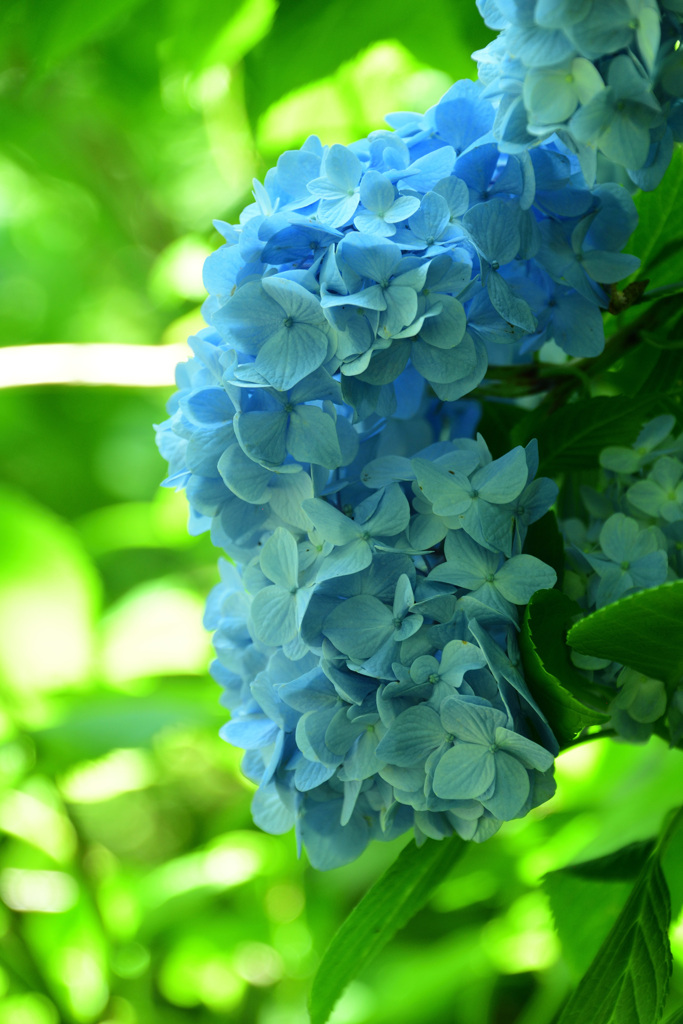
(133, 888)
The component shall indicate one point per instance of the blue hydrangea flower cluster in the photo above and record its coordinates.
(366, 626)
(421, 251)
(607, 77)
(634, 540)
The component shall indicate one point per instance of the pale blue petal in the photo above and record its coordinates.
(522, 576)
(279, 559)
(374, 259)
(392, 514)
(494, 229)
(617, 537)
(402, 209)
(504, 478)
(291, 354)
(609, 267)
(511, 787)
(511, 307)
(262, 436)
(532, 755)
(346, 560)
(312, 437)
(413, 735)
(471, 722)
(377, 193)
(447, 328)
(342, 166)
(358, 626)
(465, 771)
(332, 524)
(287, 493)
(336, 212)
(273, 614)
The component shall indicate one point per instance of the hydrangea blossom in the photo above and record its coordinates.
(375, 685)
(604, 77)
(633, 541)
(421, 251)
(366, 620)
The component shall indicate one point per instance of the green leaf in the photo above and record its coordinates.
(391, 902)
(660, 222)
(676, 1017)
(637, 631)
(628, 980)
(569, 701)
(498, 419)
(49, 595)
(292, 55)
(587, 898)
(544, 540)
(72, 24)
(581, 430)
(647, 370)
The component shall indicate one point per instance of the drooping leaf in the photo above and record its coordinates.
(587, 898)
(637, 631)
(628, 980)
(568, 700)
(391, 902)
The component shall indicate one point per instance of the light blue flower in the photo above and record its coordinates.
(277, 610)
(383, 209)
(488, 761)
(618, 119)
(631, 558)
(661, 493)
(281, 324)
(338, 187)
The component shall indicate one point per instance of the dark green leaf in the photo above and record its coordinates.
(581, 430)
(628, 980)
(672, 866)
(497, 421)
(623, 865)
(660, 223)
(569, 701)
(637, 631)
(544, 540)
(648, 370)
(676, 1017)
(387, 906)
(586, 900)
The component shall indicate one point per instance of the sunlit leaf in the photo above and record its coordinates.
(628, 980)
(155, 629)
(586, 899)
(49, 592)
(387, 906)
